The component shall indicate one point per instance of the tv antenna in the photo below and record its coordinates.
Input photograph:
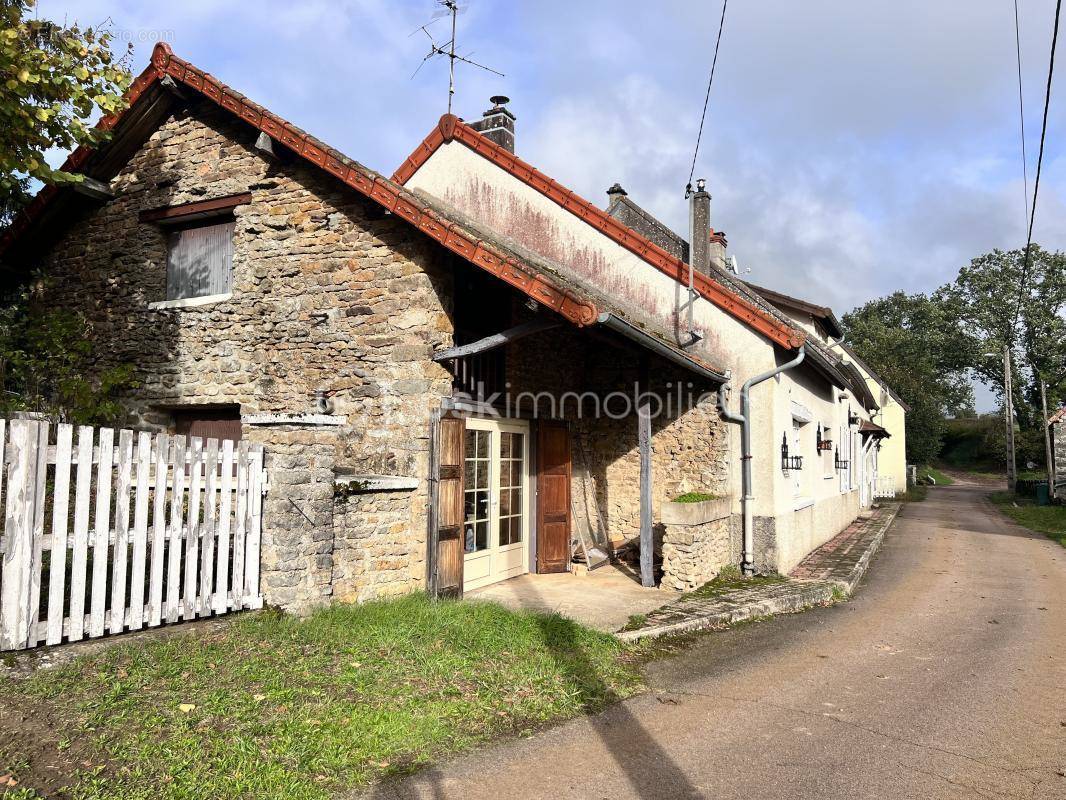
(447, 49)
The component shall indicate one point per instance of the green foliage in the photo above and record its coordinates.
(1048, 520)
(915, 494)
(911, 342)
(996, 306)
(975, 444)
(46, 360)
(731, 580)
(278, 707)
(694, 497)
(55, 80)
(998, 303)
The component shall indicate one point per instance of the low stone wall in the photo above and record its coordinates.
(696, 542)
(377, 550)
(297, 554)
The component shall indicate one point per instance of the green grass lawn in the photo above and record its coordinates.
(938, 476)
(1049, 520)
(276, 707)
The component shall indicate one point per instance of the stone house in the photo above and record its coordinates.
(1057, 423)
(459, 373)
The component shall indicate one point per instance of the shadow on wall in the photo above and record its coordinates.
(108, 266)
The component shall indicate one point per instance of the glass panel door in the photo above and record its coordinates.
(512, 487)
(496, 509)
(478, 490)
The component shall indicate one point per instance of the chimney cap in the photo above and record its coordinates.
(499, 100)
(617, 189)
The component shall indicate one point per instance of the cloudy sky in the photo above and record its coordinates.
(852, 148)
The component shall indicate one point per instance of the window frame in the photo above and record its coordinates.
(170, 220)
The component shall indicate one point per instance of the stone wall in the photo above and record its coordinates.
(1058, 433)
(298, 514)
(328, 294)
(697, 542)
(377, 551)
(689, 441)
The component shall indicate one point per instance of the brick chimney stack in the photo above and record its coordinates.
(497, 124)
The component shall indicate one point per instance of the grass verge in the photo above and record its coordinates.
(729, 580)
(276, 707)
(915, 494)
(938, 476)
(1048, 520)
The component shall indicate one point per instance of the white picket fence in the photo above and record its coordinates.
(74, 563)
(885, 486)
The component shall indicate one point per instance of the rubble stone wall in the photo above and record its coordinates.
(328, 294)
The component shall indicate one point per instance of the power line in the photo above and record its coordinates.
(707, 97)
(1021, 115)
(1039, 162)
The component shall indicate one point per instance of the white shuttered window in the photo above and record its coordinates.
(200, 261)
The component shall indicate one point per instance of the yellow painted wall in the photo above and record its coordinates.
(892, 460)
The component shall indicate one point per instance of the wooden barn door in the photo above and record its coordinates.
(553, 497)
(449, 518)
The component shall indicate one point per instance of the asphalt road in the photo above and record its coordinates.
(945, 677)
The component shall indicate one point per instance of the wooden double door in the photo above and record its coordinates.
(494, 481)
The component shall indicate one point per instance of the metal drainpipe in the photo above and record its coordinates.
(744, 419)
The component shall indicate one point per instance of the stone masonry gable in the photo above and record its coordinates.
(327, 295)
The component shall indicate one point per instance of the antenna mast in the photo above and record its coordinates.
(454, 8)
(448, 48)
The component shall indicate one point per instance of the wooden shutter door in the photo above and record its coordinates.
(449, 556)
(553, 497)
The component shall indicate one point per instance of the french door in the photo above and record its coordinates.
(496, 501)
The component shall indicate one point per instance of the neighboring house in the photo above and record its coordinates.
(1057, 422)
(890, 453)
(892, 416)
(431, 360)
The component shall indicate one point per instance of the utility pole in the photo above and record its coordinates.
(1047, 443)
(1008, 412)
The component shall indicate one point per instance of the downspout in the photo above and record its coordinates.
(744, 420)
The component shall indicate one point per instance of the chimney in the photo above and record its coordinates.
(497, 124)
(699, 228)
(707, 246)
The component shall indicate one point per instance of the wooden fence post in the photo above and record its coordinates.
(18, 529)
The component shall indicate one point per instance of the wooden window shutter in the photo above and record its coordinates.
(553, 497)
(447, 579)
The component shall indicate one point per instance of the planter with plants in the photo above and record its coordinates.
(695, 508)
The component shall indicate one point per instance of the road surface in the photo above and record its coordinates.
(945, 677)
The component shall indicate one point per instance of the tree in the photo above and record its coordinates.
(45, 358)
(912, 343)
(999, 302)
(54, 80)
